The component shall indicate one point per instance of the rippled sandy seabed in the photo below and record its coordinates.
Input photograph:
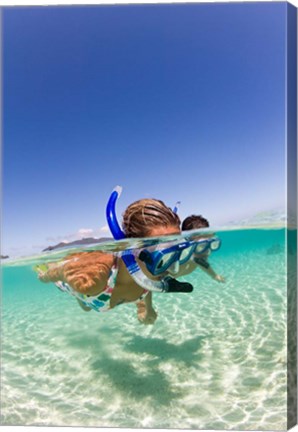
(215, 359)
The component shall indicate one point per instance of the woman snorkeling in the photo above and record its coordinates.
(101, 280)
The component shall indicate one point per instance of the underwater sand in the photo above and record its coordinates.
(215, 358)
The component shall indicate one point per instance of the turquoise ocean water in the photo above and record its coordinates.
(215, 358)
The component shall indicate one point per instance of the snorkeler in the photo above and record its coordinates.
(200, 257)
(101, 281)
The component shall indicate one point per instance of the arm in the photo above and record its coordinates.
(206, 267)
(202, 263)
(148, 302)
(146, 312)
(86, 272)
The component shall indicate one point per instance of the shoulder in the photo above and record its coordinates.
(92, 257)
(88, 272)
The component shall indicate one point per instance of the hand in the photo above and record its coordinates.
(219, 278)
(41, 271)
(146, 315)
(40, 274)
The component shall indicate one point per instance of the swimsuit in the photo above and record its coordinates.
(99, 302)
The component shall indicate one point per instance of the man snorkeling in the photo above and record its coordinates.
(200, 258)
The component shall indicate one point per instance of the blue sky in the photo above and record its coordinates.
(177, 102)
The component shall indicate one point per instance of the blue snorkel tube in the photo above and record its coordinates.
(175, 209)
(167, 284)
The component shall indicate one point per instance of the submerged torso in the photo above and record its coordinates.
(120, 288)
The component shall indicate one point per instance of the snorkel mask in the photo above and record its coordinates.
(167, 284)
(159, 261)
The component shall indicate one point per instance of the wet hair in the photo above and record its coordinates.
(194, 222)
(143, 215)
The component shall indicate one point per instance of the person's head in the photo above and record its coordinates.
(194, 222)
(149, 218)
(197, 222)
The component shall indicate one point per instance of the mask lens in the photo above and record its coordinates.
(202, 246)
(185, 254)
(215, 244)
(174, 268)
(165, 261)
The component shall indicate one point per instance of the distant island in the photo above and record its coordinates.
(4, 256)
(84, 241)
(270, 218)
